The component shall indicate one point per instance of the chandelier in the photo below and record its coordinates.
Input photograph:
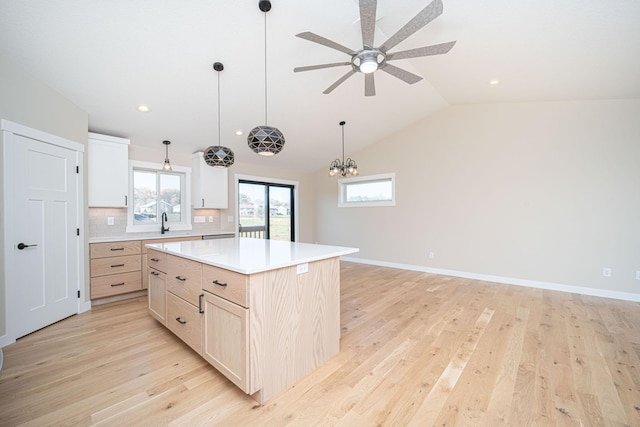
(341, 167)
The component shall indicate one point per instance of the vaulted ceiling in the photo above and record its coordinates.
(108, 57)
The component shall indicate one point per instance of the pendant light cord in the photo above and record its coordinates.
(265, 68)
(219, 139)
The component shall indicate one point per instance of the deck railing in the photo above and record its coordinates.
(256, 231)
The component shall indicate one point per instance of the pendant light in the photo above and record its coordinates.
(217, 155)
(341, 167)
(167, 164)
(265, 140)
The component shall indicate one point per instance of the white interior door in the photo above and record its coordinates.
(42, 246)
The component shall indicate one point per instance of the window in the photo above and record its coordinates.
(153, 192)
(266, 210)
(373, 190)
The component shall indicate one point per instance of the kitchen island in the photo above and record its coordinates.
(263, 312)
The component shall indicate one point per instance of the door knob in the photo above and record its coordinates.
(21, 246)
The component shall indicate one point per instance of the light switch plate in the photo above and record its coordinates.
(110, 220)
(302, 268)
(198, 219)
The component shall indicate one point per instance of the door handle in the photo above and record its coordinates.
(21, 246)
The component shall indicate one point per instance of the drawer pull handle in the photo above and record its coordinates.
(215, 282)
(182, 279)
(118, 284)
(155, 273)
(117, 249)
(155, 259)
(200, 310)
(182, 322)
(117, 265)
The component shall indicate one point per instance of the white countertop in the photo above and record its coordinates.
(247, 256)
(148, 236)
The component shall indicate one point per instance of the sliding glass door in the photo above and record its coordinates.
(265, 210)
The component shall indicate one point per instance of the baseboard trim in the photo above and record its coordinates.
(605, 293)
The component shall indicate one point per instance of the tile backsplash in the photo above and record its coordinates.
(99, 220)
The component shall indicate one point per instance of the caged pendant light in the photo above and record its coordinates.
(343, 168)
(265, 140)
(217, 155)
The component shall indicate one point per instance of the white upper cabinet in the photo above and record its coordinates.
(209, 185)
(108, 171)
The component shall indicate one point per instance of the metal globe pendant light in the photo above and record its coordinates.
(265, 140)
(217, 155)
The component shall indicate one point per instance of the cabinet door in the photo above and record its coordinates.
(209, 185)
(157, 295)
(226, 340)
(108, 171)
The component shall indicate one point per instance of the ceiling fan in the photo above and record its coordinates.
(370, 58)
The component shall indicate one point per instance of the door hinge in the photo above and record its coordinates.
(77, 169)
(77, 231)
(78, 294)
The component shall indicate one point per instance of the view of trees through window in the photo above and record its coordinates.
(156, 192)
(255, 200)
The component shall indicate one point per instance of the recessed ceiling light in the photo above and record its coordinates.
(494, 82)
(144, 108)
(239, 133)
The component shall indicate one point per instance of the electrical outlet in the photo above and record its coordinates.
(230, 218)
(110, 220)
(210, 218)
(637, 275)
(302, 268)
(432, 255)
(606, 272)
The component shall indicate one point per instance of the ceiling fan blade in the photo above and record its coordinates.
(339, 82)
(325, 42)
(369, 85)
(403, 75)
(368, 21)
(436, 49)
(426, 15)
(319, 67)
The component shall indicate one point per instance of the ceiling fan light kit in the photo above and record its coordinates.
(370, 59)
(343, 168)
(265, 140)
(218, 156)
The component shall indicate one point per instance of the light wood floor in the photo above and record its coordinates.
(416, 349)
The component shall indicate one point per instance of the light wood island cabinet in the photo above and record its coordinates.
(263, 322)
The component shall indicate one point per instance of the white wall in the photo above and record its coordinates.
(28, 101)
(546, 192)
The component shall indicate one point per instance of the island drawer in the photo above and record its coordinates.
(226, 284)
(185, 320)
(110, 249)
(184, 278)
(157, 260)
(114, 284)
(115, 265)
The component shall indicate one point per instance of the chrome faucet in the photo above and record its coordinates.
(164, 219)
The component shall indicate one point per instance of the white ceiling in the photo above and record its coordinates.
(110, 56)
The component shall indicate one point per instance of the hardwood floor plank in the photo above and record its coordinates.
(416, 349)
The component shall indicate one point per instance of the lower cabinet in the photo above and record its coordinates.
(157, 295)
(226, 339)
(185, 321)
